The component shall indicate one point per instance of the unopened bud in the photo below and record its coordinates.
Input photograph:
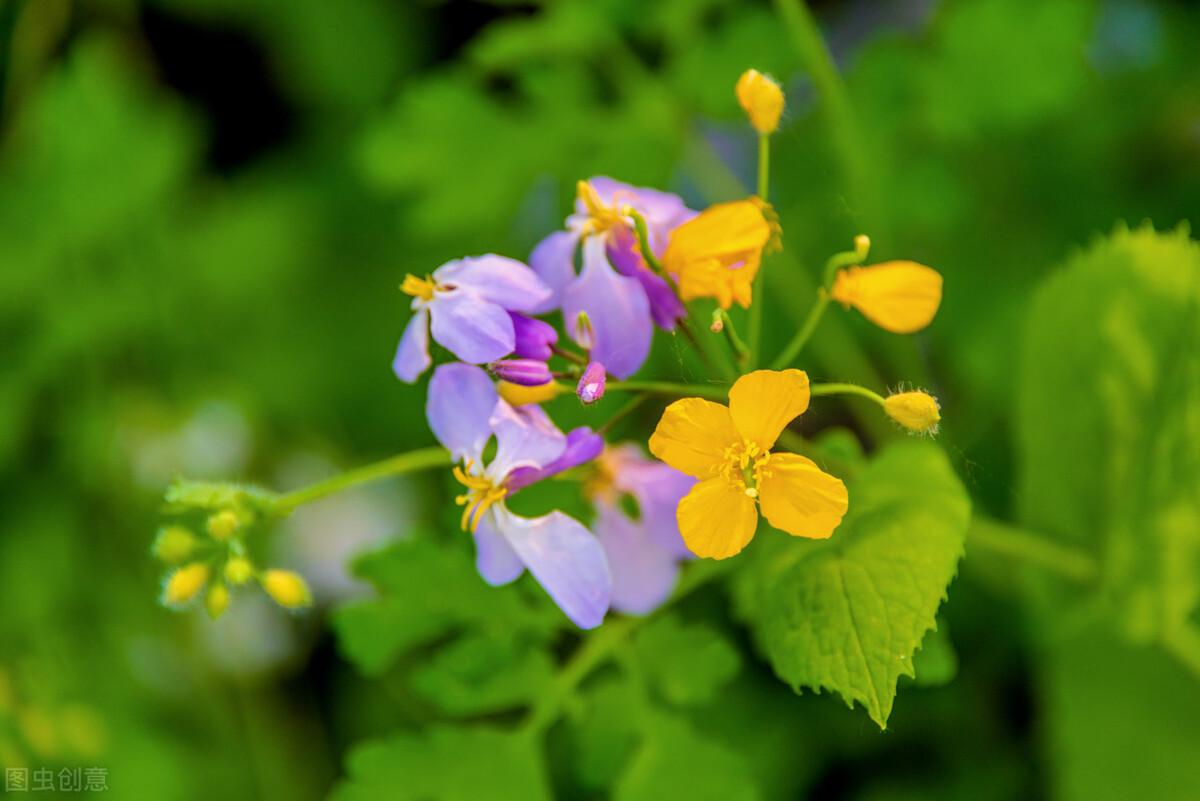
(174, 544)
(238, 571)
(534, 339)
(287, 589)
(526, 372)
(217, 600)
(584, 334)
(520, 395)
(185, 584)
(718, 321)
(762, 100)
(862, 246)
(591, 384)
(224, 524)
(917, 411)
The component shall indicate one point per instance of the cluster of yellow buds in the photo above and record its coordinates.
(213, 566)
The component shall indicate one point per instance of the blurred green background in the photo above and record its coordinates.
(206, 207)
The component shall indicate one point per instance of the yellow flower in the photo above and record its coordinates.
(185, 584)
(716, 254)
(287, 589)
(519, 395)
(761, 99)
(917, 411)
(729, 450)
(898, 296)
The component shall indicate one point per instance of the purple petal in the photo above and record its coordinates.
(643, 572)
(661, 210)
(504, 281)
(473, 329)
(583, 445)
(412, 356)
(554, 262)
(566, 560)
(625, 255)
(533, 338)
(495, 559)
(617, 308)
(658, 489)
(522, 440)
(459, 406)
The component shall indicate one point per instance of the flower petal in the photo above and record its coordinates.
(412, 356)
(898, 296)
(617, 308)
(801, 499)
(495, 559)
(525, 437)
(566, 560)
(717, 519)
(554, 261)
(504, 281)
(459, 406)
(583, 445)
(643, 573)
(763, 402)
(473, 329)
(692, 436)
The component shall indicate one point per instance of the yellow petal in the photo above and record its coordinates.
(763, 402)
(761, 99)
(692, 436)
(728, 232)
(898, 296)
(799, 498)
(716, 519)
(519, 395)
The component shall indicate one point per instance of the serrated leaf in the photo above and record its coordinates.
(481, 673)
(1109, 423)
(675, 761)
(426, 591)
(686, 662)
(848, 613)
(446, 764)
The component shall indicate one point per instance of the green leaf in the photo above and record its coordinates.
(1109, 424)
(482, 673)
(686, 663)
(605, 730)
(426, 591)
(848, 613)
(675, 761)
(446, 764)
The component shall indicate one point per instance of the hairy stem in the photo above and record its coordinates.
(411, 462)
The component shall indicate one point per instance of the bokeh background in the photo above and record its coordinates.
(206, 207)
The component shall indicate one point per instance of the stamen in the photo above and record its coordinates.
(481, 495)
(422, 288)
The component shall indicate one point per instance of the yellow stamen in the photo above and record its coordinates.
(600, 217)
(744, 465)
(422, 288)
(481, 494)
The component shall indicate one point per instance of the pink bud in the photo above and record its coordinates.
(591, 383)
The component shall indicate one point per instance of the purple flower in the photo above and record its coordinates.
(526, 372)
(583, 445)
(591, 384)
(466, 304)
(620, 295)
(535, 339)
(643, 553)
(465, 413)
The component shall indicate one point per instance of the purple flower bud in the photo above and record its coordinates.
(591, 383)
(526, 372)
(534, 338)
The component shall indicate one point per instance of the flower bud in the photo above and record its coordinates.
(185, 584)
(238, 570)
(224, 524)
(584, 334)
(591, 384)
(898, 296)
(287, 589)
(519, 395)
(535, 339)
(761, 99)
(526, 372)
(917, 411)
(174, 544)
(217, 600)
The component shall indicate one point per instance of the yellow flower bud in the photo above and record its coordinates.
(917, 411)
(185, 584)
(223, 524)
(898, 296)
(761, 99)
(217, 600)
(519, 395)
(287, 589)
(174, 544)
(238, 570)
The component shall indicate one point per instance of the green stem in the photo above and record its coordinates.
(726, 326)
(818, 390)
(719, 392)
(1008, 540)
(410, 462)
(754, 329)
(835, 262)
